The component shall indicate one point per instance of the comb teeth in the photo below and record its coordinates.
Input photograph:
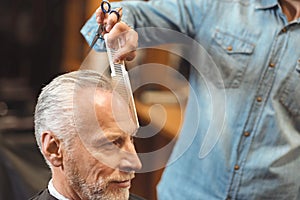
(118, 69)
(121, 82)
(120, 87)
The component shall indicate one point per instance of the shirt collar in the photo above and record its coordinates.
(266, 4)
(54, 192)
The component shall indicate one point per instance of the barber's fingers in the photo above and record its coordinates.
(126, 53)
(108, 19)
(129, 43)
(100, 16)
(124, 40)
(114, 17)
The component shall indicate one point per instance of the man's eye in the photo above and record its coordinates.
(119, 142)
(132, 139)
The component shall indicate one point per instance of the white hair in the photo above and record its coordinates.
(54, 108)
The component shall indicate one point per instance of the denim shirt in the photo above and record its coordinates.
(257, 52)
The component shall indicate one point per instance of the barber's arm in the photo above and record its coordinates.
(169, 14)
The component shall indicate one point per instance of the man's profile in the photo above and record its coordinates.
(84, 132)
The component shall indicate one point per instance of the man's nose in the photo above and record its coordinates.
(130, 160)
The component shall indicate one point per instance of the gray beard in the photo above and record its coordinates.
(94, 191)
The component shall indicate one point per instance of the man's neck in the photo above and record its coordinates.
(54, 192)
(61, 185)
(291, 8)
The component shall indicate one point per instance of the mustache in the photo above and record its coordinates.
(121, 178)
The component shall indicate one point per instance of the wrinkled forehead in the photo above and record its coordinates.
(98, 111)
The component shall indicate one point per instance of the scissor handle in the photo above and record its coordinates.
(105, 6)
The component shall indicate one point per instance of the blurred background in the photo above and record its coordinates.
(41, 39)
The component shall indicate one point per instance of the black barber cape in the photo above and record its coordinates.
(45, 195)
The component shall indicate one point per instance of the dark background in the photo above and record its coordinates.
(32, 34)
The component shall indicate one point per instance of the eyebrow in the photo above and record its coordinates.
(110, 136)
(113, 131)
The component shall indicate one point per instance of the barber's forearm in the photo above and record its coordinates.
(138, 14)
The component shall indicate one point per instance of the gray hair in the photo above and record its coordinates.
(54, 108)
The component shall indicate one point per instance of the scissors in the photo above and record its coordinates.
(106, 9)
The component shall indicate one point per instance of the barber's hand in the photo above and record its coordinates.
(119, 35)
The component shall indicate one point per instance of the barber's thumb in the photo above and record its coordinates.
(108, 27)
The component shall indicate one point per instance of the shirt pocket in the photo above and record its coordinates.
(289, 93)
(231, 54)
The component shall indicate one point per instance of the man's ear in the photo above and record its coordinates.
(51, 148)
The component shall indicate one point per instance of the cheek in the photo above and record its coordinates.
(97, 174)
(93, 164)
(84, 165)
(95, 170)
(109, 158)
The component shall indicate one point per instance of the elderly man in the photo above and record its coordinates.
(84, 131)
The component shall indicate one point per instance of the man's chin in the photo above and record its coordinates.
(117, 193)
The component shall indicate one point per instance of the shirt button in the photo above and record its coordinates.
(283, 30)
(236, 167)
(246, 134)
(272, 65)
(229, 48)
(258, 99)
